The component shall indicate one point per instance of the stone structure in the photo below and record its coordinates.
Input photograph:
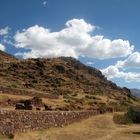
(20, 121)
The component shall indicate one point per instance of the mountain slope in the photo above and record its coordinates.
(79, 86)
(57, 73)
(5, 57)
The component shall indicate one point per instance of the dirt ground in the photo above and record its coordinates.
(100, 127)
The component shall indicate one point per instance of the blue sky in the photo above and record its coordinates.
(86, 29)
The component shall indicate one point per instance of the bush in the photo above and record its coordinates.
(119, 119)
(60, 68)
(55, 82)
(55, 93)
(90, 97)
(66, 96)
(40, 63)
(13, 85)
(34, 81)
(11, 136)
(132, 116)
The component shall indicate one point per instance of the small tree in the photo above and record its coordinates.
(133, 114)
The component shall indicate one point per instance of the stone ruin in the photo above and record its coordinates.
(28, 104)
(20, 121)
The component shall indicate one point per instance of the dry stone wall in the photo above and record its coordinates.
(20, 121)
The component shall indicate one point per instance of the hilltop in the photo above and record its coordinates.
(75, 85)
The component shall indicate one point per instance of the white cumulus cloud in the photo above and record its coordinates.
(2, 47)
(4, 31)
(74, 40)
(132, 61)
(113, 72)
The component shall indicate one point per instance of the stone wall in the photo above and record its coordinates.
(20, 121)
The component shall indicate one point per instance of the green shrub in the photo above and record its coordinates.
(121, 119)
(60, 68)
(13, 85)
(40, 63)
(55, 82)
(11, 136)
(66, 96)
(90, 97)
(56, 93)
(132, 116)
(34, 81)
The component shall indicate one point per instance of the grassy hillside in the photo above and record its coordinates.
(5, 57)
(76, 85)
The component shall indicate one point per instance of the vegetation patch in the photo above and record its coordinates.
(136, 133)
(55, 93)
(66, 96)
(121, 119)
(90, 97)
(131, 116)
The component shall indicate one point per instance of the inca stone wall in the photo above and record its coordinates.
(20, 121)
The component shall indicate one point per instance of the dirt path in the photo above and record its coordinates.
(96, 128)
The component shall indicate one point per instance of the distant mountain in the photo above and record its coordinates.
(75, 84)
(136, 92)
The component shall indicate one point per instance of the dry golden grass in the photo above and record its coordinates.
(100, 127)
(4, 97)
(54, 102)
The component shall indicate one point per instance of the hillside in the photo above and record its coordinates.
(5, 57)
(75, 85)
